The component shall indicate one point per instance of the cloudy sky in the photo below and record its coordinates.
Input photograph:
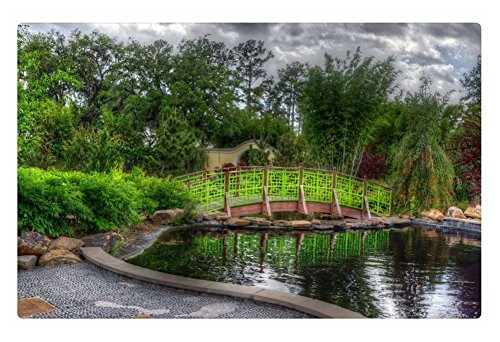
(444, 51)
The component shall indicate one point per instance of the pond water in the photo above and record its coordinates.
(400, 273)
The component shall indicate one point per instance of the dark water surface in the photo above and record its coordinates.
(400, 273)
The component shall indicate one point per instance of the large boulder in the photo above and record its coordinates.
(166, 216)
(57, 257)
(237, 222)
(472, 212)
(103, 240)
(301, 224)
(433, 214)
(455, 212)
(32, 243)
(26, 262)
(66, 243)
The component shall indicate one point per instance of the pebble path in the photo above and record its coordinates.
(84, 290)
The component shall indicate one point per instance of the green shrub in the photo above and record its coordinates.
(55, 202)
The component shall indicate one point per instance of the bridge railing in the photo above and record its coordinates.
(241, 186)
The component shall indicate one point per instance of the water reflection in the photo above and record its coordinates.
(386, 273)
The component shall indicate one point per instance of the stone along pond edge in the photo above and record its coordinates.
(313, 307)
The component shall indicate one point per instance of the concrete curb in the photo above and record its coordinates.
(317, 308)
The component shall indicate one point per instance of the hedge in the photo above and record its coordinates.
(54, 202)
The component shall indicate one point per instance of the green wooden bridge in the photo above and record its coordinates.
(241, 191)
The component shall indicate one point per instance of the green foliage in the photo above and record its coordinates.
(292, 150)
(158, 193)
(89, 102)
(176, 150)
(56, 202)
(422, 173)
(340, 103)
(255, 157)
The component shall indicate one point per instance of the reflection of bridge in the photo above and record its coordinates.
(264, 189)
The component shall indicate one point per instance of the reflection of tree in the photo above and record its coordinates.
(419, 260)
(467, 257)
(335, 267)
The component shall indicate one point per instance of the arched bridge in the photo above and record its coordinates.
(263, 190)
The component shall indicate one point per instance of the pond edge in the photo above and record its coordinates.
(313, 307)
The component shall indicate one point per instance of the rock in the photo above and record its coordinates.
(316, 222)
(263, 222)
(57, 257)
(166, 216)
(257, 221)
(32, 243)
(455, 212)
(211, 215)
(237, 222)
(301, 224)
(213, 223)
(103, 240)
(66, 243)
(433, 214)
(222, 217)
(26, 262)
(282, 223)
(473, 213)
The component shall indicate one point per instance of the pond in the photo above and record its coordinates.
(398, 273)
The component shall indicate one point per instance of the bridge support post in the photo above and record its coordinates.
(392, 201)
(302, 206)
(266, 207)
(335, 200)
(227, 205)
(365, 199)
(367, 206)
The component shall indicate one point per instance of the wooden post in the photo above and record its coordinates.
(302, 206)
(205, 186)
(334, 176)
(227, 206)
(266, 207)
(264, 189)
(367, 206)
(188, 186)
(392, 201)
(238, 171)
(364, 196)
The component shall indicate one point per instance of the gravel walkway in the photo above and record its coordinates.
(84, 290)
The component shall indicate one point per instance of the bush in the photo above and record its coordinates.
(158, 193)
(55, 202)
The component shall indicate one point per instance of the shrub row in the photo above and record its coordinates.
(55, 202)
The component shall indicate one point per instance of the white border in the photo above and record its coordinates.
(14, 12)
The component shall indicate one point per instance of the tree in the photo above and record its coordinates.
(177, 149)
(466, 145)
(340, 103)
(422, 173)
(472, 85)
(203, 87)
(468, 162)
(249, 60)
(290, 80)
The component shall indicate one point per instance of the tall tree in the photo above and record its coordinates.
(203, 87)
(249, 59)
(422, 173)
(290, 80)
(467, 142)
(340, 103)
(472, 84)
